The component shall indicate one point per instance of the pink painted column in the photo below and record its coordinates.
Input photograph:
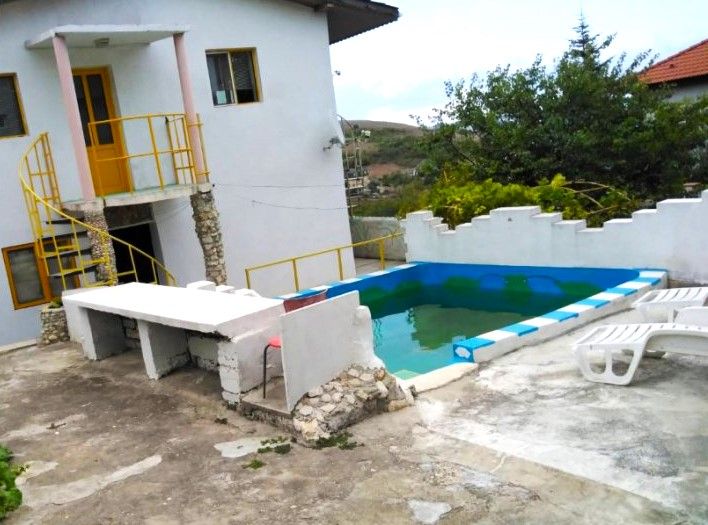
(66, 81)
(185, 82)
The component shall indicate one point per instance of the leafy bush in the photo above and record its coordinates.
(593, 202)
(458, 204)
(10, 495)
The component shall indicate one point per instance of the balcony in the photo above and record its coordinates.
(142, 158)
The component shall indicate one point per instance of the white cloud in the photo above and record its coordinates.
(386, 70)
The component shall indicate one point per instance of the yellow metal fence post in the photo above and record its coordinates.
(177, 147)
(295, 276)
(339, 263)
(155, 152)
(337, 250)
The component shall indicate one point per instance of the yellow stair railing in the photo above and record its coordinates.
(81, 255)
(381, 241)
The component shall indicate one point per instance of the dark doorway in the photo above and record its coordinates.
(140, 237)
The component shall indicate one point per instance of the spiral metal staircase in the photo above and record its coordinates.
(74, 253)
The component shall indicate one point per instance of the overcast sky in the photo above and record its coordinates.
(399, 69)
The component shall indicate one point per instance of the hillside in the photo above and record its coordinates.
(391, 147)
(379, 124)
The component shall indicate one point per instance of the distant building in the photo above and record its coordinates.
(686, 72)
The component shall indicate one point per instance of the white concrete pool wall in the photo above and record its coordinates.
(673, 237)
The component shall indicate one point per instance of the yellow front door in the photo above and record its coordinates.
(104, 142)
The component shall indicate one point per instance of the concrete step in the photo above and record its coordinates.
(274, 402)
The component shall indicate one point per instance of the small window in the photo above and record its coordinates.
(26, 275)
(233, 76)
(12, 123)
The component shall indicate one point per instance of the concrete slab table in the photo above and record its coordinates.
(164, 314)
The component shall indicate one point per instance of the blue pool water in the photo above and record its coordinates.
(420, 310)
(414, 331)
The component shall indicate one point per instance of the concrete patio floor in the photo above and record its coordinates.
(527, 440)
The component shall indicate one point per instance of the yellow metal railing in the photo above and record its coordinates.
(63, 255)
(338, 250)
(164, 139)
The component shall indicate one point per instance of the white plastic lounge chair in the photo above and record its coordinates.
(636, 339)
(660, 306)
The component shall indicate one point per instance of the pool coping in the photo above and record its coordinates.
(488, 345)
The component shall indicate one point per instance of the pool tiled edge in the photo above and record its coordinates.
(489, 345)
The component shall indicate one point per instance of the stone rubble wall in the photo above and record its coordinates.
(54, 327)
(132, 337)
(208, 228)
(97, 219)
(354, 395)
(366, 228)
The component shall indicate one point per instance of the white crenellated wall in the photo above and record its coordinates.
(674, 236)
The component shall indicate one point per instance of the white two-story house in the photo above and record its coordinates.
(202, 134)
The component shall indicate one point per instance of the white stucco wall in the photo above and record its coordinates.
(689, 90)
(673, 237)
(312, 356)
(279, 192)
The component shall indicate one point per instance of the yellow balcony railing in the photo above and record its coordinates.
(292, 261)
(152, 150)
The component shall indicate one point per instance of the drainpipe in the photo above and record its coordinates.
(66, 81)
(185, 82)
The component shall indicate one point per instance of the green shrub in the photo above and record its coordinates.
(10, 495)
(596, 203)
(56, 303)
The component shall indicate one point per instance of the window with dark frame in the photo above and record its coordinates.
(12, 122)
(26, 276)
(233, 77)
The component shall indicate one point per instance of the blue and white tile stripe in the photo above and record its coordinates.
(465, 350)
(316, 289)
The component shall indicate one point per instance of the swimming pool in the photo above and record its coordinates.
(429, 315)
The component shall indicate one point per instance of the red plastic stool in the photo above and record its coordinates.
(273, 342)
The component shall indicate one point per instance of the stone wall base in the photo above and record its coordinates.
(130, 330)
(54, 328)
(266, 416)
(208, 228)
(97, 219)
(354, 395)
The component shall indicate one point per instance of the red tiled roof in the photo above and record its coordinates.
(691, 62)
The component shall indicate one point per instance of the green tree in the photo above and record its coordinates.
(588, 117)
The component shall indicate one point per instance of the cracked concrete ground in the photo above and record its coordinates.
(525, 441)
